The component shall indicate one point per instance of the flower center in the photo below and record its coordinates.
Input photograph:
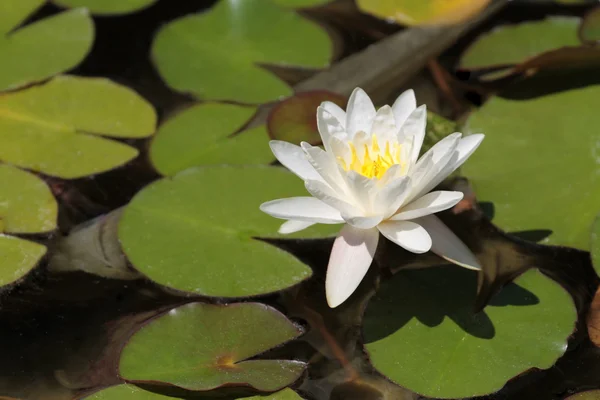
(374, 162)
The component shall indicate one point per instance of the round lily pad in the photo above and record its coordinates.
(107, 7)
(217, 54)
(194, 232)
(294, 119)
(423, 12)
(511, 45)
(202, 135)
(54, 128)
(42, 49)
(126, 392)
(285, 394)
(589, 30)
(420, 331)
(538, 164)
(19, 256)
(203, 347)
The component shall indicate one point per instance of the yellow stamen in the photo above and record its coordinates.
(374, 164)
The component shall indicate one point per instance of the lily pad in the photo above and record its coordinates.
(107, 7)
(26, 206)
(589, 30)
(301, 3)
(202, 135)
(216, 55)
(53, 128)
(510, 45)
(203, 347)
(45, 48)
(126, 392)
(423, 12)
(538, 164)
(194, 232)
(420, 331)
(285, 394)
(295, 119)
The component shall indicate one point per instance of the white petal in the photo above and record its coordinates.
(406, 234)
(414, 127)
(328, 125)
(327, 167)
(390, 198)
(359, 113)
(384, 124)
(404, 105)
(336, 111)
(392, 173)
(447, 245)
(306, 209)
(429, 204)
(350, 259)
(293, 158)
(292, 226)
(363, 222)
(327, 195)
(466, 146)
(363, 190)
(339, 148)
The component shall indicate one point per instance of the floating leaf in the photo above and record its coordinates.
(420, 331)
(216, 54)
(295, 119)
(107, 7)
(53, 128)
(589, 395)
(126, 392)
(589, 30)
(26, 206)
(203, 347)
(511, 45)
(201, 135)
(537, 192)
(194, 232)
(300, 3)
(423, 12)
(285, 394)
(42, 49)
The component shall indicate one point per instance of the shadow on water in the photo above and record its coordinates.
(432, 295)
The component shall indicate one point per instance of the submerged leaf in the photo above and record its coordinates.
(54, 128)
(216, 55)
(423, 12)
(516, 168)
(42, 49)
(194, 232)
(203, 347)
(201, 135)
(420, 331)
(107, 7)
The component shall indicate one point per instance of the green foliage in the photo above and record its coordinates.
(202, 135)
(202, 347)
(53, 128)
(538, 163)
(420, 331)
(42, 49)
(107, 7)
(214, 55)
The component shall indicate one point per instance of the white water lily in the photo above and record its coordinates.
(370, 177)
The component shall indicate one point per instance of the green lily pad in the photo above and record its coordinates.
(423, 12)
(107, 7)
(26, 203)
(216, 55)
(201, 135)
(42, 49)
(538, 164)
(26, 206)
(589, 395)
(203, 347)
(53, 128)
(511, 45)
(194, 232)
(301, 3)
(589, 30)
(595, 245)
(420, 331)
(294, 119)
(126, 392)
(285, 394)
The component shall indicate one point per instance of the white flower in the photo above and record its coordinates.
(371, 178)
